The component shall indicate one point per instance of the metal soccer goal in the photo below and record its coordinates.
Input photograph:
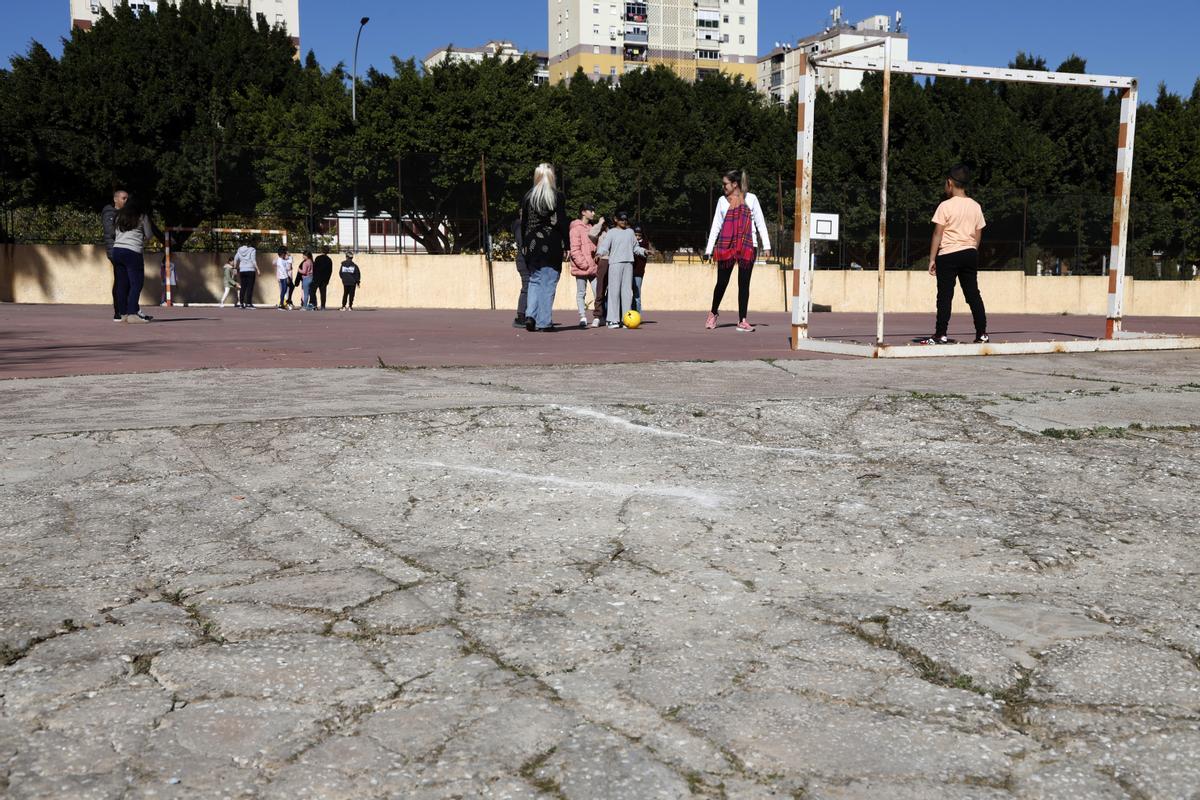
(857, 58)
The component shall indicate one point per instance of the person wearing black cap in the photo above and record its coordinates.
(523, 271)
(954, 254)
(620, 246)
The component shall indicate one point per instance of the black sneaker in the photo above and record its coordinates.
(146, 317)
(530, 325)
(519, 321)
(982, 339)
(936, 340)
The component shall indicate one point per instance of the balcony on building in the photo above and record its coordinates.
(635, 12)
(636, 53)
(637, 34)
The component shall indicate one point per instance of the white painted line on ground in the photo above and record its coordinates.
(621, 422)
(700, 497)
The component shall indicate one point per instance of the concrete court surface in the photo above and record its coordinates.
(958, 578)
(45, 341)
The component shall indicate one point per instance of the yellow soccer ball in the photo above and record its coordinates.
(632, 319)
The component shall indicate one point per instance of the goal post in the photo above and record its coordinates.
(283, 234)
(875, 55)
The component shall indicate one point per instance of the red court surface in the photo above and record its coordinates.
(51, 341)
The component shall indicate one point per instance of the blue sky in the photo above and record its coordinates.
(1158, 45)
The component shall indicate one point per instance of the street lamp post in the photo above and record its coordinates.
(354, 117)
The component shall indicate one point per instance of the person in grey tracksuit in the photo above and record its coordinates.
(620, 246)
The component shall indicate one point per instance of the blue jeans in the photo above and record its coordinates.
(637, 293)
(543, 281)
(131, 274)
(306, 284)
(283, 290)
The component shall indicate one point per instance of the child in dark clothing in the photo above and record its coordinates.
(639, 269)
(351, 277)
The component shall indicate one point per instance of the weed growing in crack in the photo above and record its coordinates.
(950, 605)
(142, 662)
(529, 770)
(1075, 434)
(936, 396)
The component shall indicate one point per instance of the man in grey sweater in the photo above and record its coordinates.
(108, 219)
(619, 246)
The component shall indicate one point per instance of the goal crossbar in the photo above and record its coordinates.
(856, 57)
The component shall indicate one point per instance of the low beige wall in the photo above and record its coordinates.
(81, 274)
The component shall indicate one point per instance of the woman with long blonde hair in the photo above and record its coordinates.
(544, 234)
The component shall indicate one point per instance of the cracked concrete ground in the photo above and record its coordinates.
(794, 579)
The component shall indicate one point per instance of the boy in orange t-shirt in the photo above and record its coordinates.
(954, 254)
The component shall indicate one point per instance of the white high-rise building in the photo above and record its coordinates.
(607, 38)
(779, 70)
(504, 50)
(281, 13)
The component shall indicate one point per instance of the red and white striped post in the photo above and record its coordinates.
(1120, 223)
(167, 269)
(802, 233)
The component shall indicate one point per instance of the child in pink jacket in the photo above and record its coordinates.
(583, 258)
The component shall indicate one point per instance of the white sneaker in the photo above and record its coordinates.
(613, 325)
(596, 322)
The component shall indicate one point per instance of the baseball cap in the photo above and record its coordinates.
(622, 215)
(588, 207)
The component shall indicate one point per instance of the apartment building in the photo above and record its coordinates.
(496, 48)
(608, 38)
(779, 70)
(282, 13)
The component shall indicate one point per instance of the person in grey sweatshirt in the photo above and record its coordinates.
(620, 246)
(133, 230)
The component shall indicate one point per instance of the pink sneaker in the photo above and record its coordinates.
(711, 322)
(745, 327)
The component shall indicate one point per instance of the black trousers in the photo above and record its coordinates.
(724, 272)
(118, 300)
(319, 289)
(523, 271)
(247, 293)
(963, 267)
(600, 306)
(348, 294)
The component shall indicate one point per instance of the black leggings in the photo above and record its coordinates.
(247, 293)
(724, 270)
(348, 294)
(963, 266)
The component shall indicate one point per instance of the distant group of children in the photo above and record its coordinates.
(312, 276)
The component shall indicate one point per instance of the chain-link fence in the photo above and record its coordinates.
(426, 203)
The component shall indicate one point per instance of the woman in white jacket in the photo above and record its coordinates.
(739, 232)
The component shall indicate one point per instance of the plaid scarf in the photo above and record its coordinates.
(735, 242)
